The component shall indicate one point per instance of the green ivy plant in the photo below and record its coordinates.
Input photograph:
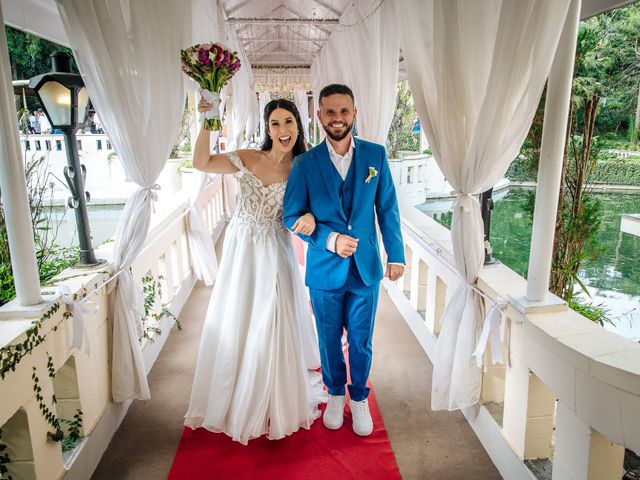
(4, 461)
(152, 290)
(11, 355)
(74, 424)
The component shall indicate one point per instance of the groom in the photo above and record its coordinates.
(344, 182)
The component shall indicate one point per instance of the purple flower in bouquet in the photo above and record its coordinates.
(211, 66)
(203, 56)
(235, 66)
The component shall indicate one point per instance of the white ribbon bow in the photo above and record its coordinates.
(463, 201)
(80, 338)
(214, 99)
(491, 334)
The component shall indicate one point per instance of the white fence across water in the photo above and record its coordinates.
(82, 378)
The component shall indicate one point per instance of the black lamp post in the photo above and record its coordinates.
(64, 99)
(486, 205)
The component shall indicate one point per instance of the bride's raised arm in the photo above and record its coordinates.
(204, 161)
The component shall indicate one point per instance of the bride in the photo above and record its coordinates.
(255, 372)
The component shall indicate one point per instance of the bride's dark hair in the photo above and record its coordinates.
(300, 146)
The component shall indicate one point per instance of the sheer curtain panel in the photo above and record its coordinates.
(302, 102)
(129, 56)
(244, 102)
(364, 54)
(264, 97)
(476, 72)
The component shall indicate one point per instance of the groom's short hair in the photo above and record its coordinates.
(333, 89)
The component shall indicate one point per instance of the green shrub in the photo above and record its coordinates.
(51, 258)
(521, 170)
(617, 172)
(608, 170)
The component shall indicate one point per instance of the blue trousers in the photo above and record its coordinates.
(353, 308)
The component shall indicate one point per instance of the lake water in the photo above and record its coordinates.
(613, 278)
(103, 220)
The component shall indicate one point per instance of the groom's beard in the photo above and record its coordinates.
(339, 136)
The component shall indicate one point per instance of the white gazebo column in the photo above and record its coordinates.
(14, 191)
(551, 153)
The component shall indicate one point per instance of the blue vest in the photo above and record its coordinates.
(345, 187)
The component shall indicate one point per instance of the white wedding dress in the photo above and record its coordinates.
(255, 373)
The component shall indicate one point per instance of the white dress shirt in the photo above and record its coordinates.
(342, 164)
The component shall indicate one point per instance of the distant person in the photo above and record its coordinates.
(45, 126)
(97, 124)
(36, 128)
(33, 122)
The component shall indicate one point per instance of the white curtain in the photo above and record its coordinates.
(128, 53)
(206, 28)
(365, 57)
(201, 246)
(264, 97)
(244, 103)
(252, 122)
(476, 71)
(302, 102)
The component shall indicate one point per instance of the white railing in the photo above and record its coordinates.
(54, 142)
(623, 153)
(569, 398)
(82, 379)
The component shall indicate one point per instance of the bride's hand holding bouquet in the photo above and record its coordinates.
(211, 66)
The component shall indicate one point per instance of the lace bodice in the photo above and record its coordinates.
(259, 207)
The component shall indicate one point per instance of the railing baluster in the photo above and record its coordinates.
(582, 452)
(408, 271)
(418, 297)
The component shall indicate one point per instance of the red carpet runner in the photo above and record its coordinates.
(318, 453)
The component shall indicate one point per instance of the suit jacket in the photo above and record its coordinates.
(312, 188)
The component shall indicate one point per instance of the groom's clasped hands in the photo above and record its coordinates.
(346, 245)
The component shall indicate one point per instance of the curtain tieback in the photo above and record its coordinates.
(80, 339)
(152, 191)
(463, 201)
(491, 334)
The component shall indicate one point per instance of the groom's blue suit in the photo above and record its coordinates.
(344, 291)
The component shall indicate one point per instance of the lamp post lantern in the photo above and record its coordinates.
(64, 99)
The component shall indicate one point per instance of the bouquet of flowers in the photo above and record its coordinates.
(211, 65)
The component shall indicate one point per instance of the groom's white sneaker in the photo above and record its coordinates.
(334, 413)
(362, 423)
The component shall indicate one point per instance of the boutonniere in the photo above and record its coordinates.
(372, 173)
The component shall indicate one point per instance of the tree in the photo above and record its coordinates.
(579, 214)
(605, 77)
(401, 135)
(29, 56)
